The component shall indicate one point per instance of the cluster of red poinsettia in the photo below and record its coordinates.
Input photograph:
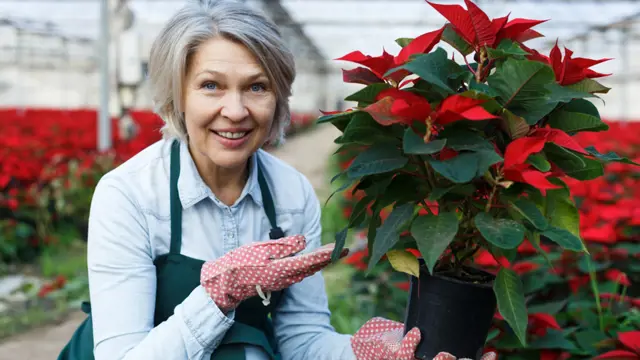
(477, 30)
(609, 209)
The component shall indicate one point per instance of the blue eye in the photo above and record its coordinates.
(209, 86)
(258, 87)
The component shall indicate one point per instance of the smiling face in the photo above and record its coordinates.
(229, 106)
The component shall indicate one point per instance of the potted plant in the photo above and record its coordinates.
(457, 157)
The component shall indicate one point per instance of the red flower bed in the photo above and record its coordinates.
(42, 147)
(578, 309)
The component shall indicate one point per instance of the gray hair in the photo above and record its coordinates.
(198, 22)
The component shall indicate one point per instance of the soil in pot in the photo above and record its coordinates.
(453, 313)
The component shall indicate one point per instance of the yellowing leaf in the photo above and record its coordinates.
(404, 261)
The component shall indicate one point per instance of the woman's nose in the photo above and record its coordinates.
(233, 107)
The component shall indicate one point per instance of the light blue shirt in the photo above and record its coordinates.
(129, 226)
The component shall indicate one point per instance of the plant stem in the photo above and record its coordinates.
(413, 174)
(493, 193)
(494, 183)
(470, 253)
(469, 66)
(596, 292)
(479, 72)
(425, 172)
(426, 207)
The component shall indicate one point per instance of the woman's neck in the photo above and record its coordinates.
(226, 183)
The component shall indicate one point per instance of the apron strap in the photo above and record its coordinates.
(174, 199)
(176, 207)
(269, 208)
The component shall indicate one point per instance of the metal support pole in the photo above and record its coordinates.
(626, 69)
(104, 120)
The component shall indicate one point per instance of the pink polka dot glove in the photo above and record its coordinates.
(382, 339)
(447, 356)
(260, 268)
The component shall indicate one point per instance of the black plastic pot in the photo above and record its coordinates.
(452, 315)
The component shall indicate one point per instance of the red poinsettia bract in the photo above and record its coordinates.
(631, 341)
(380, 65)
(517, 152)
(569, 70)
(474, 26)
(401, 106)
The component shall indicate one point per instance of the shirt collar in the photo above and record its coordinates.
(192, 189)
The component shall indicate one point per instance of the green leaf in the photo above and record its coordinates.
(511, 304)
(563, 94)
(609, 157)
(551, 307)
(359, 212)
(404, 261)
(577, 115)
(466, 140)
(342, 188)
(428, 91)
(553, 339)
(492, 335)
(539, 162)
(534, 238)
(514, 125)
(561, 212)
(368, 94)
(412, 143)
(481, 87)
(452, 38)
(505, 48)
(379, 158)
(521, 84)
(465, 166)
(341, 237)
(437, 193)
(433, 67)
(530, 212)
(402, 42)
(379, 185)
(588, 339)
(573, 164)
(339, 120)
(23, 231)
(583, 265)
(564, 238)
(364, 130)
(535, 114)
(433, 233)
(593, 169)
(397, 192)
(389, 233)
(590, 86)
(503, 233)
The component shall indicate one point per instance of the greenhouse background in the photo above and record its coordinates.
(73, 92)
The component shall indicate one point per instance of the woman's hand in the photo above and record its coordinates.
(382, 339)
(259, 268)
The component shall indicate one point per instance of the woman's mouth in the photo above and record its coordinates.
(232, 139)
(231, 135)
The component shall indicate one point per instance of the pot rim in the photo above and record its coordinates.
(447, 277)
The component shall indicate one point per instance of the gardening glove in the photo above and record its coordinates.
(447, 356)
(382, 339)
(260, 268)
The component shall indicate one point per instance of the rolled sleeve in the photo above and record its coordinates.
(302, 320)
(122, 285)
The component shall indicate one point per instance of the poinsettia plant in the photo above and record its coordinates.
(471, 155)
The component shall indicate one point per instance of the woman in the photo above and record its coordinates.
(203, 246)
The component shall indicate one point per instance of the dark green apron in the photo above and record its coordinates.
(178, 275)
